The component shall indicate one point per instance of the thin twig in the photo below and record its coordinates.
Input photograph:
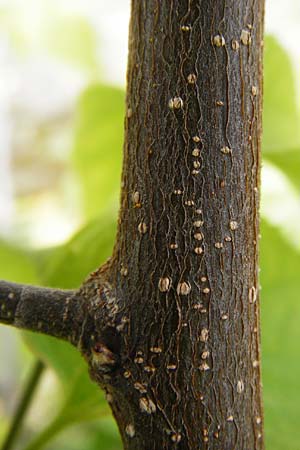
(23, 405)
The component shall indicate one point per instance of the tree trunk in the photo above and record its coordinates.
(186, 256)
(170, 325)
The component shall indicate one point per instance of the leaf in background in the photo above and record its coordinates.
(97, 147)
(280, 116)
(280, 264)
(105, 436)
(16, 264)
(66, 267)
(97, 159)
(47, 27)
(73, 40)
(60, 356)
(289, 162)
(83, 402)
(101, 434)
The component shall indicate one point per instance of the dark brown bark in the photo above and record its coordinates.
(170, 325)
(49, 311)
(188, 229)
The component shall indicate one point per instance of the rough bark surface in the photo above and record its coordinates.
(49, 311)
(170, 325)
(188, 229)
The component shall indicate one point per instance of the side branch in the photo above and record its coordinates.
(53, 312)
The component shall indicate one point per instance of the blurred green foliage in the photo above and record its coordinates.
(280, 262)
(16, 264)
(98, 145)
(73, 40)
(96, 158)
(281, 115)
(67, 265)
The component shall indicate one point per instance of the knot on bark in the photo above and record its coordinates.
(102, 341)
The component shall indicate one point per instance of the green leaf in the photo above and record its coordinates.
(60, 356)
(101, 434)
(73, 40)
(83, 402)
(67, 266)
(105, 436)
(16, 264)
(97, 148)
(289, 162)
(280, 268)
(280, 115)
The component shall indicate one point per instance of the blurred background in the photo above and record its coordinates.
(62, 81)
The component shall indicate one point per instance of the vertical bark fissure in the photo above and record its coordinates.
(186, 257)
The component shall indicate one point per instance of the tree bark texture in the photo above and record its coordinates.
(186, 254)
(49, 311)
(169, 325)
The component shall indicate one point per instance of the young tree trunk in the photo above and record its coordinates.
(170, 325)
(188, 230)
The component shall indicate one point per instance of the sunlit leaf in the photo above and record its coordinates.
(105, 436)
(98, 147)
(280, 268)
(101, 434)
(66, 267)
(16, 264)
(60, 356)
(289, 162)
(83, 402)
(44, 27)
(69, 265)
(280, 116)
(72, 39)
